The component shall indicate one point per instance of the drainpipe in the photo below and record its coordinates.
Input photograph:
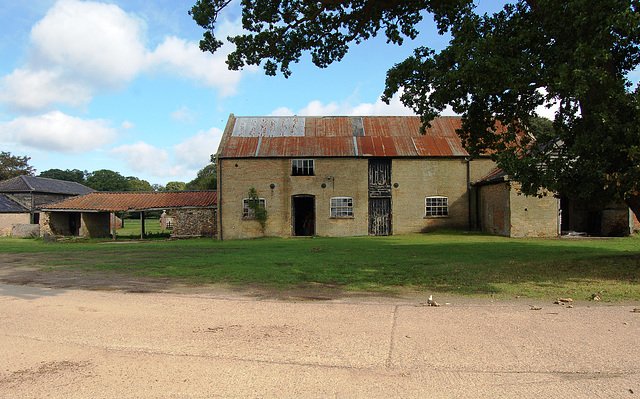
(219, 206)
(470, 221)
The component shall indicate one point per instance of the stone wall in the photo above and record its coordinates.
(194, 223)
(7, 220)
(25, 230)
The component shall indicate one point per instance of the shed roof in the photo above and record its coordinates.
(136, 201)
(340, 136)
(27, 183)
(497, 176)
(7, 205)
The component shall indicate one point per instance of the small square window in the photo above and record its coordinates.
(248, 213)
(437, 206)
(302, 167)
(341, 207)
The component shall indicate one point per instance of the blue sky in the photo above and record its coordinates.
(122, 85)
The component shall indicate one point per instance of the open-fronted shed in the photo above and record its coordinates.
(90, 215)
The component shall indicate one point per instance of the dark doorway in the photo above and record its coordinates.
(303, 215)
(74, 224)
(380, 197)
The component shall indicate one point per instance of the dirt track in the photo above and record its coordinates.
(117, 336)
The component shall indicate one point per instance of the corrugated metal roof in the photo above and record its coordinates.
(27, 183)
(136, 201)
(341, 136)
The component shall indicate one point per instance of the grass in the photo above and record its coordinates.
(451, 262)
(133, 227)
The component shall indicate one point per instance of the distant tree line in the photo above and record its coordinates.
(104, 179)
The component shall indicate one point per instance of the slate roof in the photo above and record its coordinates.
(42, 185)
(7, 205)
(136, 201)
(340, 136)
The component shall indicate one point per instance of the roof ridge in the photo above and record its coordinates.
(24, 179)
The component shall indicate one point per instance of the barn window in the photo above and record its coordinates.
(302, 167)
(341, 207)
(248, 213)
(436, 206)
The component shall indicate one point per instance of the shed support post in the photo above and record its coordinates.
(113, 220)
(142, 225)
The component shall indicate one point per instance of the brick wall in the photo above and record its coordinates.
(416, 178)
(194, 223)
(494, 209)
(533, 216)
(7, 220)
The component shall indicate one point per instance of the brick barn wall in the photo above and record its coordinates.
(194, 223)
(421, 178)
(349, 179)
(416, 178)
(494, 209)
(7, 220)
(533, 216)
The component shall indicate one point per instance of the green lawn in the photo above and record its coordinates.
(133, 227)
(451, 262)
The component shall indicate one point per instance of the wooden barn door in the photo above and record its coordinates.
(380, 197)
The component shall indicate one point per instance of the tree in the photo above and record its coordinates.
(74, 175)
(135, 184)
(107, 180)
(495, 72)
(175, 186)
(14, 165)
(206, 179)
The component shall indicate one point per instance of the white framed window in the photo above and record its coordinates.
(436, 206)
(248, 213)
(342, 207)
(302, 167)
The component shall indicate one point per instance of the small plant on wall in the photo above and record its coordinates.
(258, 209)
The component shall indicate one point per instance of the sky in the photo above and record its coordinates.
(122, 85)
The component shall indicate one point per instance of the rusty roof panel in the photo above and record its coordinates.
(138, 201)
(241, 147)
(307, 147)
(386, 136)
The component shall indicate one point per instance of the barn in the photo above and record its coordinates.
(345, 176)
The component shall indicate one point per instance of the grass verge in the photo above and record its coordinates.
(450, 262)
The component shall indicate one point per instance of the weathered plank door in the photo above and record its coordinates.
(380, 197)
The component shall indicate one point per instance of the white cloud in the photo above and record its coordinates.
(183, 58)
(59, 132)
(143, 157)
(184, 114)
(195, 152)
(126, 125)
(80, 48)
(379, 108)
(95, 41)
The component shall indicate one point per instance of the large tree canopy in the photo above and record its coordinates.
(495, 72)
